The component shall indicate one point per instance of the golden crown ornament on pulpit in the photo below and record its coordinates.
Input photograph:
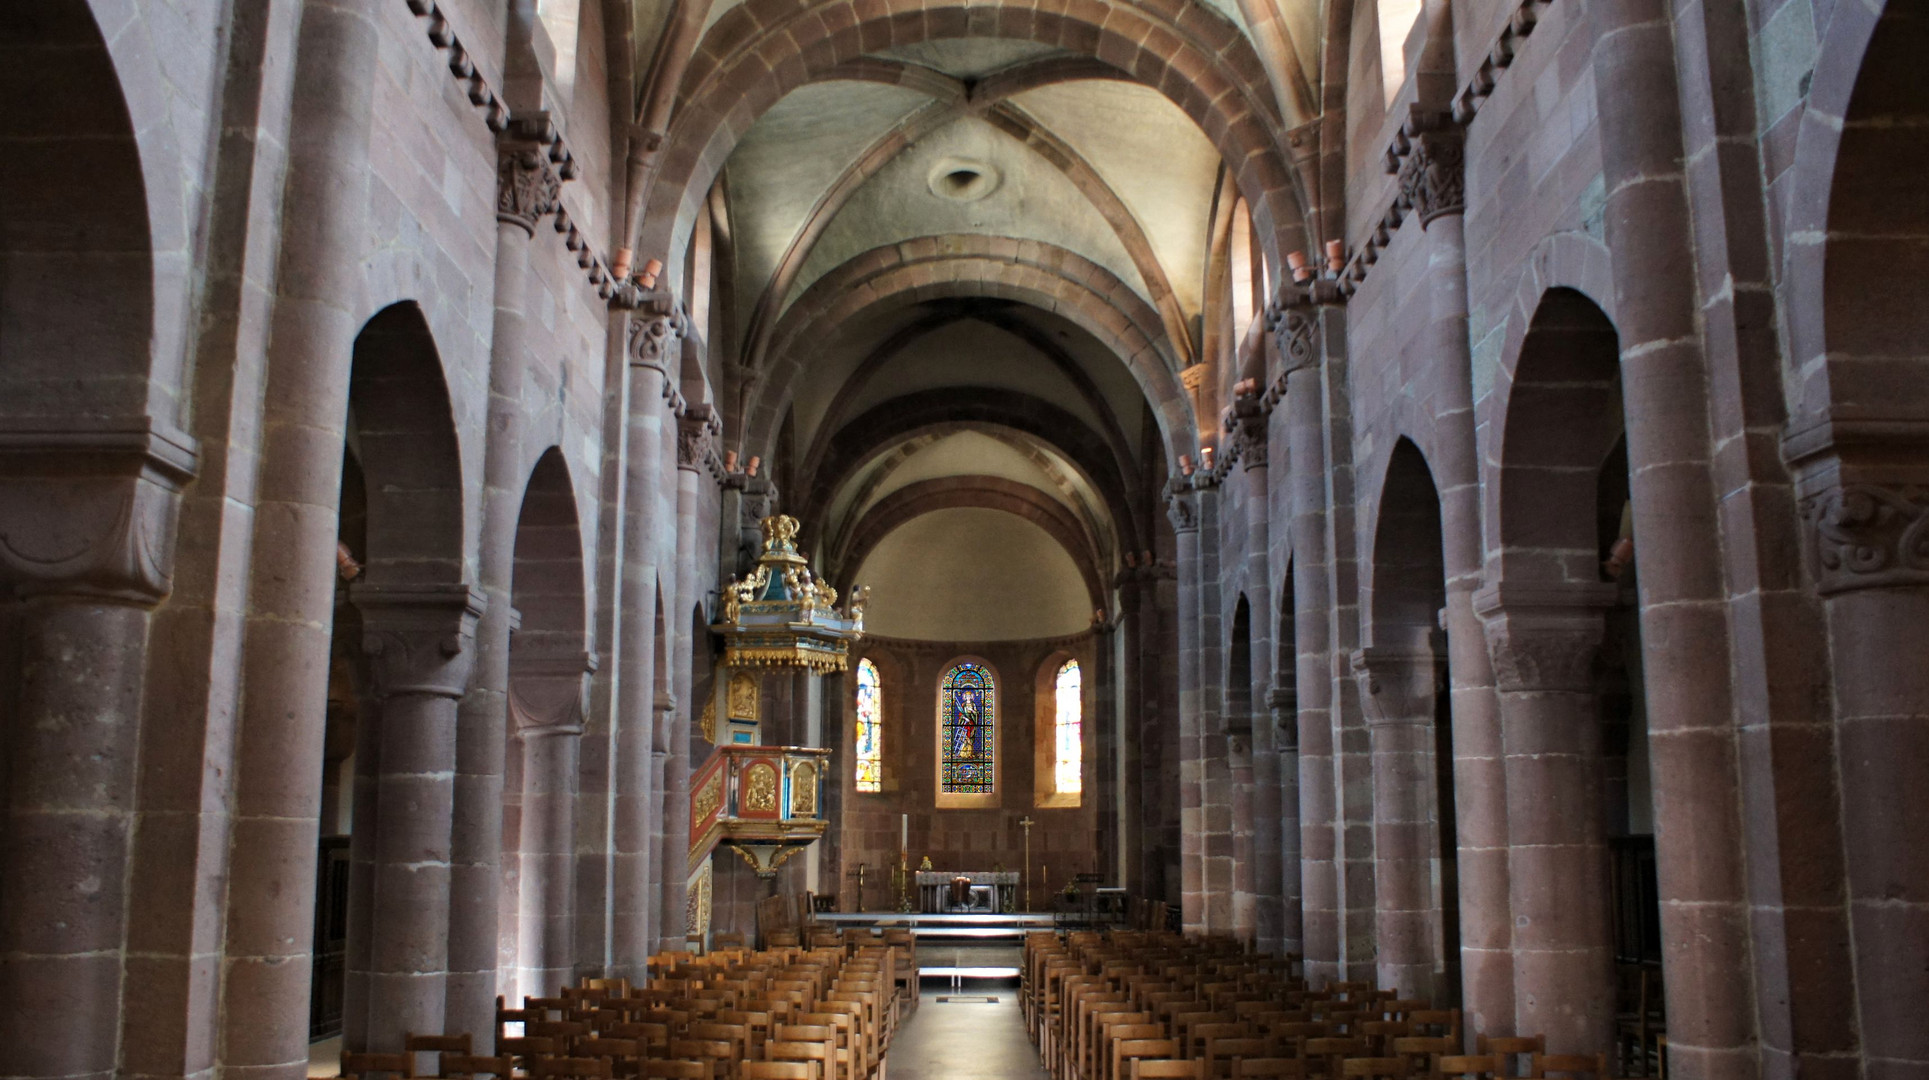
(782, 616)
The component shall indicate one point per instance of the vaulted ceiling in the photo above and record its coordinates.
(958, 275)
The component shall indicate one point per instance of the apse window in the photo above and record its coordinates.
(870, 723)
(1069, 727)
(967, 714)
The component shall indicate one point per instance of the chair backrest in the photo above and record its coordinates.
(1168, 1069)
(1285, 1068)
(571, 1068)
(1476, 1066)
(1593, 1066)
(469, 1066)
(1395, 1067)
(1420, 1050)
(776, 1070)
(1508, 1048)
(678, 1069)
(608, 1048)
(431, 1044)
(364, 1064)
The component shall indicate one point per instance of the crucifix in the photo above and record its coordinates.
(1027, 822)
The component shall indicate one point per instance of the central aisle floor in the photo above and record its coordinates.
(965, 1040)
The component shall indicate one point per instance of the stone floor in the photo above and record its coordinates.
(325, 1057)
(965, 1040)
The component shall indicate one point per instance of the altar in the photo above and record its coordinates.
(986, 893)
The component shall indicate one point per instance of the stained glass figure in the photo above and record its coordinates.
(1069, 729)
(870, 728)
(967, 705)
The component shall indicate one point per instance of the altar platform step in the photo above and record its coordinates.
(982, 929)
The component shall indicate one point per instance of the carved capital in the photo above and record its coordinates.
(420, 639)
(549, 694)
(1400, 680)
(1284, 703)
(656, 334)
(696, 444)
(88, 509)
(1867, 536)
(527, 187)
(1182, 509)
(1544, 637)
(1294, 323)
(1433, 176)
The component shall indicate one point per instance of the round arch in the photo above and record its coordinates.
(876, 431)
(1041, 275)
(1194, 56)
(982, 492)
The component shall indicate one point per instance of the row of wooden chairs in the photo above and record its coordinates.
(1112, 1008)
(779, 1014)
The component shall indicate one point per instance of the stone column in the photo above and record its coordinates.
(1183, 508)
(269, 924)
(1678, 523)
(655, 328)
(1132, 794)
(1864, 541)
(1250, 437)
(420, 641)
(89, 549)
(1295, 327)
(1545, 639)
(1399, 683)
(1432, 180)
(526, 189)
(1283, 708)
(548, 697)
(697, 431)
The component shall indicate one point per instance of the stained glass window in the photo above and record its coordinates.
(870, 728)
(1069, 728)
(967, 704)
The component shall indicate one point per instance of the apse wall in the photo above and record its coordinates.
(968, 573)
(1063, 838)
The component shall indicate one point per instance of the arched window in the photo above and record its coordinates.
(967, 708)
(1068, 728)
(870, 734)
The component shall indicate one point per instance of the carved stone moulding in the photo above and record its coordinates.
(1862, 490)
(1400, 678)
(420, 639)
(1544, 636)
(549, 695)
(88, 507)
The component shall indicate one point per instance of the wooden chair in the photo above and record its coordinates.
(1126, 1051)
(1273, 1068)
(719, 1052)
(1436, 1022)
(570, 1068)
(776, 1070)
(820, 1034)
(1168, 1069)
(814, 1054)
(1591, 1066)
(1324, 1055)
(357, 1065)
(1420, 1051)
(1223, 1053)
(1106, 1060)
(1374, 1068)
(1509, 1048)
(1466, 1067)
(677, 1069)
(469, 1066)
